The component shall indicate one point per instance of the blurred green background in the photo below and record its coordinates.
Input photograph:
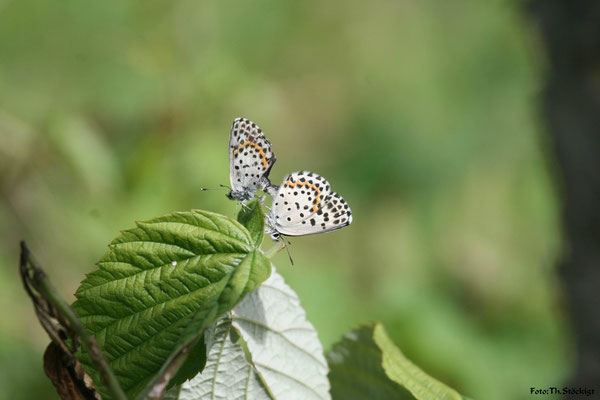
(422, 114)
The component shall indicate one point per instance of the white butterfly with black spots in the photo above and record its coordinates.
(250, 160)
(304, 205)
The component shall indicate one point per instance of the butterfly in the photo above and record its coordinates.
(304, 205)
(250, 160)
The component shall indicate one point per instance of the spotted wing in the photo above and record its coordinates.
(300, 195)
(334, 214)
(250, 156)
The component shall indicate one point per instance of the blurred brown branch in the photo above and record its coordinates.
(61, 323)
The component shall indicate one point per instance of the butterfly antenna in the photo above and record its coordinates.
(221, 188)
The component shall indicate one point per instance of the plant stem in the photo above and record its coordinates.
(272, 251)
(158, 385)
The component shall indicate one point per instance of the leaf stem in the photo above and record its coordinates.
(273, 250)
(157, 386)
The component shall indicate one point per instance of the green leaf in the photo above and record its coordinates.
(173, 393)
(367, 365)
(160, 285)
(228, 375)
(284, 356)
(252, 216)
(284, 346)
(193, 364)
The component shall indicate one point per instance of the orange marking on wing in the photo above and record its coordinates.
(289, 183)
(263, 156)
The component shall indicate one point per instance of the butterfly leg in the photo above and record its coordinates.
(244, 205)
(261, 199)
(284, 245)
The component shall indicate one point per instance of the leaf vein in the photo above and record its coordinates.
(149, 269)
(235, 316)
(289, 377)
